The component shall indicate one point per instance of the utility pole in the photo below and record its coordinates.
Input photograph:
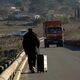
(77, 11)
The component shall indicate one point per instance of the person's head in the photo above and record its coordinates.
(30, 30)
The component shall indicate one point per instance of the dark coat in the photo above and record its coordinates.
(30, 43)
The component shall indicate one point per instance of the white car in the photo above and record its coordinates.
(20, 33)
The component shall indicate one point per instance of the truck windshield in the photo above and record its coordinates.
(54, 30)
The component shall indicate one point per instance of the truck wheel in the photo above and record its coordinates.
(46, 45)
(62, 45)
(58, 45)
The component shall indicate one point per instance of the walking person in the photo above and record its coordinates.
(30, 44)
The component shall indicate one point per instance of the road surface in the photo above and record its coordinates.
(63, 64)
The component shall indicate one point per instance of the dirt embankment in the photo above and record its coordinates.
(72, 33)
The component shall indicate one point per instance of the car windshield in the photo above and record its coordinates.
(22, 32)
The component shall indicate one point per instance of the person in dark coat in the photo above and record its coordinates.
(30, 44)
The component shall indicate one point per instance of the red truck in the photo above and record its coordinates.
(53, 33)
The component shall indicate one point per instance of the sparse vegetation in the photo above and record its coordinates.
(10, 46)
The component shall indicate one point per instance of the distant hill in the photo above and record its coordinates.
(38, 6)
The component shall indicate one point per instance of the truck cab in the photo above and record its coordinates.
(53, 33)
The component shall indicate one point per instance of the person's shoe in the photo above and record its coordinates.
(33, 70)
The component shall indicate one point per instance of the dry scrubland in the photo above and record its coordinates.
(72, 31)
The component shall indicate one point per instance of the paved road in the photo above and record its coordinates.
(63, 64)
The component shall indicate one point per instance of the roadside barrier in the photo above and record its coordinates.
(18, 72)
(11, 71)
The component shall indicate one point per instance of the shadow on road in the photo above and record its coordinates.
(73, 48)
(73, 45)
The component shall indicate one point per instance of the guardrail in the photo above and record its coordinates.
(14, 68)
(13, 72)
